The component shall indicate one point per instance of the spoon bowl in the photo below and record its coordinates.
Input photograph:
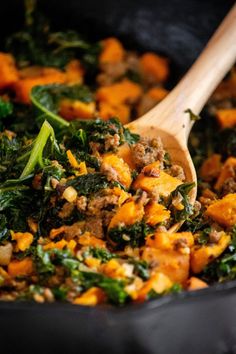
(169, 119)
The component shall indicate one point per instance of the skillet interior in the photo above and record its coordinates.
(179, 29)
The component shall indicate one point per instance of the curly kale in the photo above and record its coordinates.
(36, 44)
(133, 235)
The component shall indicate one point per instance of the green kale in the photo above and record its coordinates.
(37, 45)
(4, 231)
(60, 293)
(42, 260)
(101, 253)
(133, 235)
(183, 191)
(83, 132)
(224, 267)
(113, 288)
(9, 148)
(88, 184)
(6, 109)
(140, 268)
(193, 117)
(175, 289)
(203, 237)
(36, 155)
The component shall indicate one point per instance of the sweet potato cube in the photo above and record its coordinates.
(128, 214)
(194, 283)
(162, 185)
(156, 213)
(108, 110)
(39, 76)
(211, 167)
(20, 268)
(227, 171)
(154, 65)
(74, 72)
(158, 282)
(116, 169)
(223, 211)
(226, 117)
(202, 256)
(124, 91)
(112, 51)
(8, 71)
(172, 263)
(72, 109)
(181, 241)
(91, 297)
(124, 151)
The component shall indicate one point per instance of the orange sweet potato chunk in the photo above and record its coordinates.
(74, 72)
(128, 214)
(223, 211)
(124, 151)
(108, 110)
(227, 171)
(154, 65)
(165, 240)
(91, 297)
(8, 71)
(124, 91)
(156, 213)
(158, 282)
(202, 256)
(170, 262)
(162, 185)
(226, 117)
(112, 51)
(118, 167)
(72, 109)
(42, 76)
(20, 268)
(194, 283)
(211, 167)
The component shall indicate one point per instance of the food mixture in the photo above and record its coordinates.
(86, 206)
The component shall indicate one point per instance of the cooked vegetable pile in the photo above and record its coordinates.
(86, 206)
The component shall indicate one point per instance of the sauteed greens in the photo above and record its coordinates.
(86, 206)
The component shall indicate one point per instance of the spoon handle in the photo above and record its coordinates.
(198, 84)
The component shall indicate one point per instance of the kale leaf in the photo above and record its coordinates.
(101, 253)
(140, 268)
(133, 235)
(4, 231)
(6, 109)
(89, 184)
(37, 45)
(183, 190)
(113, 288)
(224, 267)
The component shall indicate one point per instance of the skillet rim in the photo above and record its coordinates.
(214, 290)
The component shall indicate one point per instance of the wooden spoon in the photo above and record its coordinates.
(169, 120)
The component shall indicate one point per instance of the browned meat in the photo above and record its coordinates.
(177, 171)
(229, 186)
(81, 203)
(94, 225)
(147, 151)
(96, 205)
(110, 72)
(112, 141)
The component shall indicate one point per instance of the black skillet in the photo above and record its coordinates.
(202, 322)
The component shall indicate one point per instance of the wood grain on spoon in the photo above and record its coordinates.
(169, 120)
